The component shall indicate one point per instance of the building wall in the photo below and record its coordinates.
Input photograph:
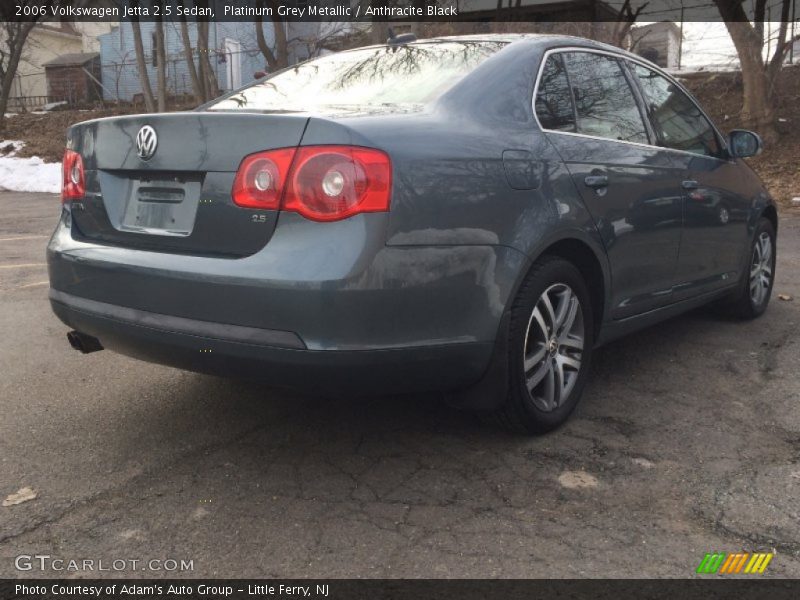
(71, 83)
(120, 71)
(661, 37)
(91, 30)
(46, 42)
(42, 45)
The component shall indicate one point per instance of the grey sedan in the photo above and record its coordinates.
(473, 215)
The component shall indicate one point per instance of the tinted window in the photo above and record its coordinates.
(676, 119)
(406, 75)
(603, 97)
(553, 101)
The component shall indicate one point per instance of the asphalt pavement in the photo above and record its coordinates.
(687, 441)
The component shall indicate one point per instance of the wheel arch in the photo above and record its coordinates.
(577, 248)
(771, 213)
(591, 266)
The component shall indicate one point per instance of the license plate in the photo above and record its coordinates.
(161, 208)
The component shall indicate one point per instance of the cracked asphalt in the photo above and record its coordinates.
(686, 442)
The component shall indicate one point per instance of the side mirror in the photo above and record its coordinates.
(745, 143)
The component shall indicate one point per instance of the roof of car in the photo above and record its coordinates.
(549, 39)
(509, 38)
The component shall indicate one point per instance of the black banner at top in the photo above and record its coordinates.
(399, 10)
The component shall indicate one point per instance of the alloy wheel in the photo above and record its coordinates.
(761, 269)
(553, 347)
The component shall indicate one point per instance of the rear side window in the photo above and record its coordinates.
(604, 101)
(677, 120)
(553, 101)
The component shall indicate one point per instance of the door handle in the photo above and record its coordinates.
(690, 184)
(596, 181)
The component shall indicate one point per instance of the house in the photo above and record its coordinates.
(658, 42)
(74, 78)
(234, 55)
(46, 42)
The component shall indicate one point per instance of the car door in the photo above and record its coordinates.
(588, 108)
(715, 215)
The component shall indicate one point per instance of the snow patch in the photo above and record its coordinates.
(29, 175)
(53, 105)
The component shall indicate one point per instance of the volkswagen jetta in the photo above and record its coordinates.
(473, 215)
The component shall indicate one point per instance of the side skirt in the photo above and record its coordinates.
(612, 330)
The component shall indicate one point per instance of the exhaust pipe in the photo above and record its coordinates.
(83, 343)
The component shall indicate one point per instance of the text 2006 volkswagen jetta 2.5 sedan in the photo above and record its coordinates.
(473, 215)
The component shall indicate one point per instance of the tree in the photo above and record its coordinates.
(277, 58)
(141, 63)
(325, 35)
(628, 16)
(206, 71)
(758, 74)
(161, 65)
(13, 33)
(380, 27)
(117, 68)
(198, 85)
(333, 36)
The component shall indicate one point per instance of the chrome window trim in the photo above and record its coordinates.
(560, 50)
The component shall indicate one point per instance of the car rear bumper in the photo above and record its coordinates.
(355, 317)
(276, 357)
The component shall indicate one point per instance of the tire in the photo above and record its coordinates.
(750, 302)
(563, 357)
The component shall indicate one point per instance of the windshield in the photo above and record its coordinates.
(389, 75)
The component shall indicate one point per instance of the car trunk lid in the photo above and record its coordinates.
(179, 198)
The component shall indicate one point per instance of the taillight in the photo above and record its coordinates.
(322, 183)
(73, 182)
(261, 177)
(335, 182)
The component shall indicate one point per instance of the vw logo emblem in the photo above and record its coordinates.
(146, 142)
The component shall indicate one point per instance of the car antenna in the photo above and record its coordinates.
(399, 40)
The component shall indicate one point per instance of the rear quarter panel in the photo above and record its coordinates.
(451, 184)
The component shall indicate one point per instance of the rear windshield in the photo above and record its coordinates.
(411, 74)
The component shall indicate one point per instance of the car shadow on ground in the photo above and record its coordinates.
(236, 408)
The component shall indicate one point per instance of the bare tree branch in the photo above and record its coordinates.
(14, 35)
(141, 63)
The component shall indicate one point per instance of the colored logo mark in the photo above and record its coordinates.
(738, 562)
